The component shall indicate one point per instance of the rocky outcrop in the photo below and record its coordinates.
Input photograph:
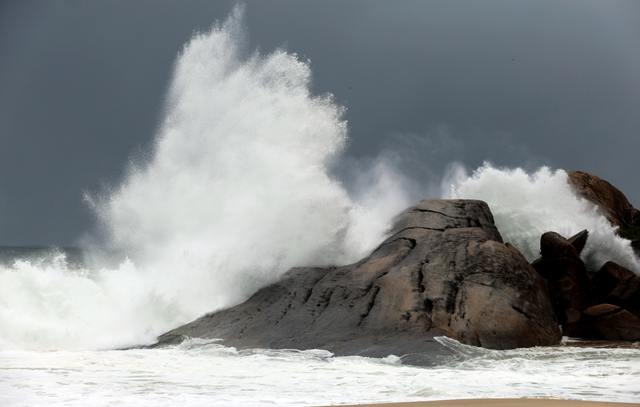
(600, 305)
(611, 201)
(610, 322)
(603, 306)
(579, 240)
(444, 270)
(617, 285)
(566, 275)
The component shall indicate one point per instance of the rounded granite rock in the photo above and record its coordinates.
(443, 270)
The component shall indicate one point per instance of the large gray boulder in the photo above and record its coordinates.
(444, 270)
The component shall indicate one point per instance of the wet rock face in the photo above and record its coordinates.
(566, 275)
(603, 306)
(443, 271)
(610, 322)
(579, 240)
(611, 201)
(614, 284)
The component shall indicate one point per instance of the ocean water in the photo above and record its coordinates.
(197, 373)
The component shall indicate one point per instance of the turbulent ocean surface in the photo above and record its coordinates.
(54, 365)
(205, 374)
(237, 189)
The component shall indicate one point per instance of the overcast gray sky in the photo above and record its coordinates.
(515, 82)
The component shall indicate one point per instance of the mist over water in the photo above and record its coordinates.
(237, 189)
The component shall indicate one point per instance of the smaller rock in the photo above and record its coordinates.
(566, 275)
(579, 240)
(617, 285)
(610, 322)
(553, 245)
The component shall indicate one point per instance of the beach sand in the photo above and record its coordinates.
(502, 403)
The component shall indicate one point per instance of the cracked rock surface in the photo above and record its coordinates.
(444, 270)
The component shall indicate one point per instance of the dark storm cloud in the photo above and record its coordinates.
(518, 83)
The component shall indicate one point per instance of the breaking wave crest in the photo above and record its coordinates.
(236, 190)
(525, 205)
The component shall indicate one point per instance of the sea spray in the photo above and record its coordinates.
(525, 205)
(235, 191)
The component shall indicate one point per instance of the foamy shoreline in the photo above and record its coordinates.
(501, 403)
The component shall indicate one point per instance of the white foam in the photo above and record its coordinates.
(527, 205)
(235, 191)
(200, 374)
